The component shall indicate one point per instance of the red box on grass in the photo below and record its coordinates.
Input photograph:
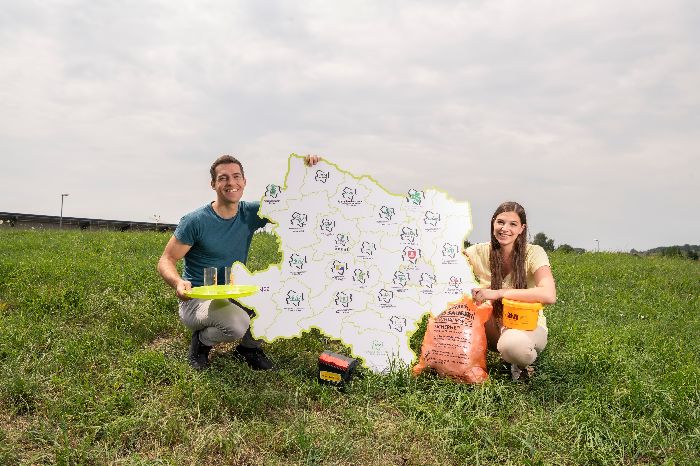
(335, 369)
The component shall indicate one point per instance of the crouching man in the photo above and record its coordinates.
(216, 235)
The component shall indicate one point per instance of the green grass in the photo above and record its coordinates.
(93, 371)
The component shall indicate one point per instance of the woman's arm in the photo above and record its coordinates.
(544, 291)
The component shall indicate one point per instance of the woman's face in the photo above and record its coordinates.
(507, 228)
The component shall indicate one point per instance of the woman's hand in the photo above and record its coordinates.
(543, 292)
(485, 294)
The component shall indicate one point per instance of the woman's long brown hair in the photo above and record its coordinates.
(519, 278)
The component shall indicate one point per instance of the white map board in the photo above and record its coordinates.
(359, 264)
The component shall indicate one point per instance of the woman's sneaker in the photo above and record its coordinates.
(255, 358)
(520, 374)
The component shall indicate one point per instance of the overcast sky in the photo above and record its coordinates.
(586, 112)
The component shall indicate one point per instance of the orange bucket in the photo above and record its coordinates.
(522, 316)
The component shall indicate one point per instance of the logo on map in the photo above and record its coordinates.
(415, 197)
(411, 254)
(343, 299)
(298, 220)
(427, 280)
(397, 323)
(294, 298)
(455, 286)
(385, 296)
(386, 212)
(338, 269)
(368, 248)
(360, 276)
(401, 278)
(321, 176)
(431, 218)
(349, 194)
(409, 235)
(327, 225)
(272, 191)
(348, 197)
(341, 241)
(449, 250)
(297, 261)
(377, 348)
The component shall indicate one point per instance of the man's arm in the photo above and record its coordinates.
(167, 266)
(311, 160)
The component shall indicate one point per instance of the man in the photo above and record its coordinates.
(216, 235)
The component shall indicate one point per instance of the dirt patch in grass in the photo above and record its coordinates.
(13, 436)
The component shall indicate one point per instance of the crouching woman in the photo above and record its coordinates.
(508, 267)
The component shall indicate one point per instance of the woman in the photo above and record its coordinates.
(508, 267)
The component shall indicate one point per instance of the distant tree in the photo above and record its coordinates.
(692, 255)
(565, 248)
(542, 240)
(673, 251)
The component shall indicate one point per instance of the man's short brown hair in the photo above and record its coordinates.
(222, 160)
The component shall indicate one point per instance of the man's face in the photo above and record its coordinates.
(228, 183)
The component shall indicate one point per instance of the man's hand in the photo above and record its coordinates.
(311, 160)
(183, 286)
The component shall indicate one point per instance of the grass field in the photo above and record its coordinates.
(93, 371)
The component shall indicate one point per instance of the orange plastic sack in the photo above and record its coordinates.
(455, 342)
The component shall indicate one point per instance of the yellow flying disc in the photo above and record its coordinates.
(222, 291)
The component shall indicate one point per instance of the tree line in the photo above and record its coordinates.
(547, 244)
(687, 251)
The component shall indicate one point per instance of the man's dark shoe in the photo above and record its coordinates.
(199, 353)
(255, 358)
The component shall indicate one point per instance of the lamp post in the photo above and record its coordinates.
(60, 223)
(156, 217)
(597, 245)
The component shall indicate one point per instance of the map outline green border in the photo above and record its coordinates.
(278, 240)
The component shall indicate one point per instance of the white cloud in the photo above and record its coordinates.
(586, 112)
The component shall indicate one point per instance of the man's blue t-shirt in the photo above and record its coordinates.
(217, 242)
